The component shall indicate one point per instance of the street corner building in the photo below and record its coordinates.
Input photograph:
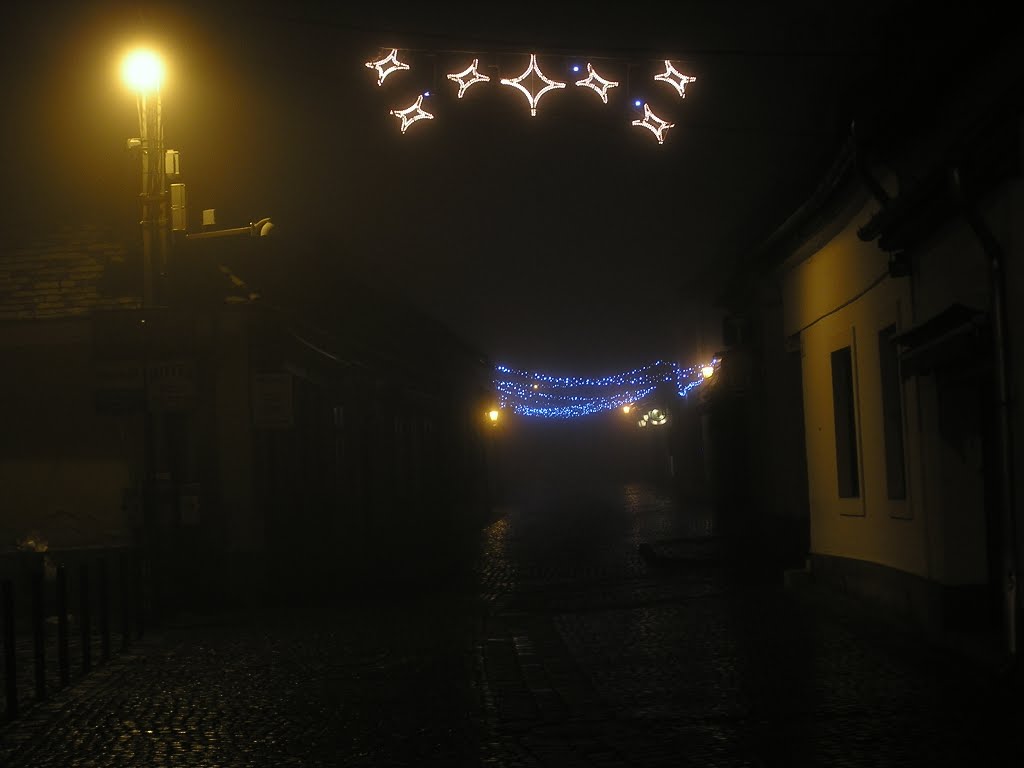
(230, 443)
(876, 336)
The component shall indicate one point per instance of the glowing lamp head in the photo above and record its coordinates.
(493, 415)
(142, 71)
(707, 371)
(627, 408)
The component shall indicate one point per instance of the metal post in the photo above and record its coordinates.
(103, 596)
(39, 635)
(139, 597)
(10, 668)
(126, 601)
(85, 623)
(62, 626)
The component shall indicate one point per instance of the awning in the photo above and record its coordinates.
(957, 337)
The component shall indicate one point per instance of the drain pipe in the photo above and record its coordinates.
(994, 254)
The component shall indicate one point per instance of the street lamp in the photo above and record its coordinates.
(143, 72)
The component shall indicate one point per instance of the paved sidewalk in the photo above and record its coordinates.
(607, 629)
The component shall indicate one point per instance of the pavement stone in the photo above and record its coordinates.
(609, 628)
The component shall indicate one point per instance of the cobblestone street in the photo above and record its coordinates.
(601, 627)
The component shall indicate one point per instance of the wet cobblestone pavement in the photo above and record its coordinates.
(600, 628)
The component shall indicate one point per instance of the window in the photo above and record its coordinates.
(845, 419)
(892, 414)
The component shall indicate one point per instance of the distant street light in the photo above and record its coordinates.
(707, 371)
(493, 415)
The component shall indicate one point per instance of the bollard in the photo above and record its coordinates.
(39, 635)
(10, 668)
(62, 626)
(104, 604)
(86, 617)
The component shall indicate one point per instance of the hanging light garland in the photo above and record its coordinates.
(471, 76)
(529, 393)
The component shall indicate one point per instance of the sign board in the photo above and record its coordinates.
(272, 401)
(171, 385)
(119, 385)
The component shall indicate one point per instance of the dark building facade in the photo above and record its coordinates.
(241, 444)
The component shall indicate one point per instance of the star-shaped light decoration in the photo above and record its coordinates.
(516, 82)
(597, 83)
(675, 78)
(411, 114)
(387, 65)
(654, 124)
(467, 77)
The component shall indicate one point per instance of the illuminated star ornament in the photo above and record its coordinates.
(516, 82)
(467, 77)
(412, 113)
(675, 78)
(654, 124)
(597, 83)
(386, 66)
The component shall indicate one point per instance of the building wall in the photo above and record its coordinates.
(65, 467)
(945, 529)
(817, 294)
(1011, 227)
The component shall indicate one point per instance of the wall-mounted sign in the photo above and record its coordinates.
(171, 385)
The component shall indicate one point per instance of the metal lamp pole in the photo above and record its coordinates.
(143, 72)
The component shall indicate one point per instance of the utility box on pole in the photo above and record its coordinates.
(179, 208)
(172, 163)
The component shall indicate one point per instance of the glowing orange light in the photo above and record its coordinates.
(707, 371)
(143, 71)
(627, 408)
(493, 414)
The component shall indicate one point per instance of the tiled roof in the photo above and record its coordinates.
(67, 273)
(75, 270)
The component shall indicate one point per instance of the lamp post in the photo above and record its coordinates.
(143, 73)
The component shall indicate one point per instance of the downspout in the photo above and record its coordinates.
(994, 254)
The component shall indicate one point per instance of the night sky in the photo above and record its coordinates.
(569, 242)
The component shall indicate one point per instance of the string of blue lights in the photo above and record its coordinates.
(530, 393)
